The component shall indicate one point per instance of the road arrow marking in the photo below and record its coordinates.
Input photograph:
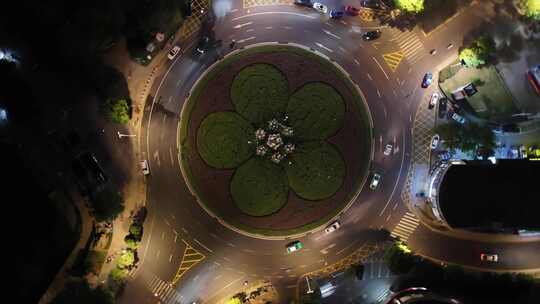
(242, 25)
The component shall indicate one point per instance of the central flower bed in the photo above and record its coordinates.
(260, 139)
(275, 143)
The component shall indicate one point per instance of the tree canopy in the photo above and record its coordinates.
(410, 6)
(399, 258)
(108, 205)
(530, 8)
(118, 111)
(478, 52)
(79, 291)
(466, 137)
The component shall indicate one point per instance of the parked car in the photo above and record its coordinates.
(304, 3)
(351, 10)
(460, 119)
(335, 14)
(321, 8)
(144, 167)
(433, 100)
(294, 246)
(489, 257)
(332, 227)
(427, 80)
(435, 141)
(442, 107)
(371, 35)
(388, 149)
(375, 181)
(202, 47)
(370, 4)
(173, 52)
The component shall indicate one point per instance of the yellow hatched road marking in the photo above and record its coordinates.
(393, 59)
(186, 263)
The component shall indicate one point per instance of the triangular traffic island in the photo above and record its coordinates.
(190, 258)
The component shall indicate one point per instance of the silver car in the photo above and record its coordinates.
(375, 181)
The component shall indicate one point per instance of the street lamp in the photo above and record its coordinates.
(120, 135)
(309, 287)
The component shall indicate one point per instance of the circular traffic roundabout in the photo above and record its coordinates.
(274, 140)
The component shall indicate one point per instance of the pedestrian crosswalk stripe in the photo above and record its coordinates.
(393, 59)
(406, 226)
(410, 44)
(190, 258)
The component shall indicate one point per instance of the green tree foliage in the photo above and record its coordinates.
(467, 137)
(410, 6)
(478, 52)
(131, 242)
(399, 259)
(530, 8)
(80, 292)
(107, 205)
(118, 274)
(118, 110)
(136, 230)
(126, 259)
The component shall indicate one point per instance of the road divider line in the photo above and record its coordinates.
(273, 13)
(380, 66)
(242, 25)
(202, 245)
(331, 34)
(246, 39)
(323, 47)
(369, 76)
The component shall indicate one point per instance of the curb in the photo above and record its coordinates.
(258, 235)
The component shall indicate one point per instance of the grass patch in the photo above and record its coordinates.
(259, 187)
(316, 111)
(222, 140)
(259, 93)
(317, 170)
(186, 149)
(493, 100)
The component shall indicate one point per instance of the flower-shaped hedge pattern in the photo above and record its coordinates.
(306, 164)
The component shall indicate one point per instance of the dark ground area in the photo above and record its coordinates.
(492, 197)
(40, 237)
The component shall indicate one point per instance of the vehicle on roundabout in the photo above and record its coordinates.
(144, 167)
(433, 100)
(321, 8)
(371, 35)
(435, 141)
(388, 149)
(351, 10)
(489, 257)
(304, 3)
(202, 47)
(294, 246)
(375, 181)
(332, 227)
(335, 14)
(427, 80)
(173, 52)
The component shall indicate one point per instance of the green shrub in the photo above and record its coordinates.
(118, 111)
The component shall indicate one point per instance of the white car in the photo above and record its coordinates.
(433, 101)
(388, 149)
(332, 227)
(173, 52)
(320, 7)
(487, 257)
(144, 167)
(458, 118)
(375, 181)
(435, 141)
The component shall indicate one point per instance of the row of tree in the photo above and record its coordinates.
(468, 137)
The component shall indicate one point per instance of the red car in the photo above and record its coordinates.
(351, 10)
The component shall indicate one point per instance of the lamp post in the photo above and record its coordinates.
(309, 287)
(120, 135)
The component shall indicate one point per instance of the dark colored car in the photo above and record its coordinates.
(370, 4)
(371, 35)
(203, 45)
(351, 10)
(335, 14)
(427, 80)
(303, 2)
(442, 107)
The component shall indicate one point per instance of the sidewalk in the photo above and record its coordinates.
(260, 292)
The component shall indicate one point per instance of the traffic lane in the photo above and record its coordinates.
(512, 256)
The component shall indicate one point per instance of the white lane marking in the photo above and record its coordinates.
(175, 237)
(331, 34)
(214, 236)
(156, 158)
(399, 175)
(250, 30)
(325, 249)
(342, 49)
(178, 82)
(202, 245)
(379, 93)
(157, 255)
(227, 259)
(268, 27)
(246, 39)
(323, 47)
(234, 10)
(346, 247)
(388, 217)
(163, 235)
(384, 109)
(272, 13)
(166, 222)
(231, 244)
(225, 287)
(171, 155)
(242, 25)
(169, 100)
(248, 250)
(218, 264)
(287, 27)
(395, 206)
(380, 66)
(356, 61)
(170, 258)
(369, 76)
(185, 231)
